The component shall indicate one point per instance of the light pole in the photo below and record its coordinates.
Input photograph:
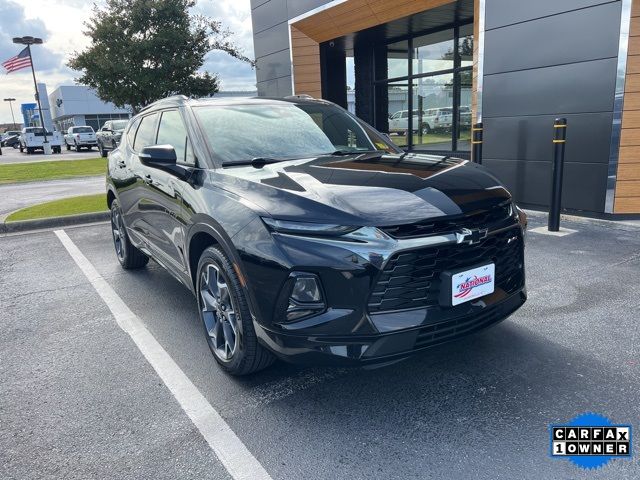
(28, 41)
(11, 107)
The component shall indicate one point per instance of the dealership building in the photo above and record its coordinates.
(424, 70)
(78, 105)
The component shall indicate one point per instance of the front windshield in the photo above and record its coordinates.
(283, 131)
(119, 125)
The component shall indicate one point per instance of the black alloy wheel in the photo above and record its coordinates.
(226, 318)
(128, 255)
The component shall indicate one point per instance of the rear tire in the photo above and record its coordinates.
(129, 256)
(225, 316)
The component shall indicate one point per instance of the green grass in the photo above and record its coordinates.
(33, 171)
(62, 207)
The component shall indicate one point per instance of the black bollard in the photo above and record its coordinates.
(476, 142)
(559, 141)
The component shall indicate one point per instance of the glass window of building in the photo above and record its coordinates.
(433, 103)
(397, 59)
(433, 52)
(428, 91)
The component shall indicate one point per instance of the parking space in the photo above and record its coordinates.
(79, 399)
(13, 155)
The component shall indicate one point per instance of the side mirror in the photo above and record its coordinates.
(158, 156)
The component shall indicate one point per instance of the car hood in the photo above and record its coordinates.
(365, 189)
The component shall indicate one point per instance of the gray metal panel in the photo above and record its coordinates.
(257, 3)
(268, 88)
(273, 66)
(271, 40)
(503, 12)
(529, 138)
(298, 7)
(576, 36)
(268, 14)
(277, 87)
(574, 88)
(584, 184)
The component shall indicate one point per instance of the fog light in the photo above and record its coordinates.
(306, 290)
(306, 297)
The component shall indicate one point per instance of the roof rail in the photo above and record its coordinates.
(300, 96)
(173, 98)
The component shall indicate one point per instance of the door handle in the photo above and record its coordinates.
(122, 163)
(148, 180)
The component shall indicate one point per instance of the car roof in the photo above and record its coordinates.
(181, 100)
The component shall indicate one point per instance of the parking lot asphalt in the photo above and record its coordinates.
(79, 400)
(13, 155)
(19, 195)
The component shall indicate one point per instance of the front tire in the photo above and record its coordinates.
(68, 146)
(103, 152)
(129, 256)
(225, 316)
(77, 148)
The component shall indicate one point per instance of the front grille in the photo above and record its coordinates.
(412, 279)
(493, 218)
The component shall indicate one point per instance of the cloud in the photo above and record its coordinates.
(61, 24)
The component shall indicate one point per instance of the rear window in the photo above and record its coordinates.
(82, 130)
(119, 125)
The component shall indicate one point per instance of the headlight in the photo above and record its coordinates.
(305, 228)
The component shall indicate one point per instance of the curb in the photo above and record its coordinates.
(43, 223)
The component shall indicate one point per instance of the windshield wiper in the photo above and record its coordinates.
(257, 162)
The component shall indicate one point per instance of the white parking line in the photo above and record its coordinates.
(230, 450)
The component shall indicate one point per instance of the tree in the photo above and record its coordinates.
(145, 50)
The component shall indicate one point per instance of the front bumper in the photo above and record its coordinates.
(381, 293)
(394, 346)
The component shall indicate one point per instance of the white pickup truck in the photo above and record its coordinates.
(80, 137)
(32, 139)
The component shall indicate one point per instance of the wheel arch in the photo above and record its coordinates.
(208, 233)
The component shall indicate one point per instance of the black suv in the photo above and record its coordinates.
(306, 234)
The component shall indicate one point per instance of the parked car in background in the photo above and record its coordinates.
(80, 137)
(10, 138)
(108, 137)
(32, 139)
(425, 122)
(307, 235)
(465, 117)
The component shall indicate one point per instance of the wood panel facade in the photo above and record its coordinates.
(627, 198)
(349, 17)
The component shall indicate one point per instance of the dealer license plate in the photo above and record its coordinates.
(472, 284)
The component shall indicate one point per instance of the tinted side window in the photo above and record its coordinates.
(131, 133)
(146, 134)
(173, 132)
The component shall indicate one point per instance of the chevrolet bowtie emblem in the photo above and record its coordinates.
(471, 237)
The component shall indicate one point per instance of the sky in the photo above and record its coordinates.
(60, 24)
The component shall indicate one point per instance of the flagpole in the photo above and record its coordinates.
(28, 41)
(35, 84)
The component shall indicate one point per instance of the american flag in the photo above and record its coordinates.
(22, 60)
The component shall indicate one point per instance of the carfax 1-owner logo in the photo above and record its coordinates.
(590, 441)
